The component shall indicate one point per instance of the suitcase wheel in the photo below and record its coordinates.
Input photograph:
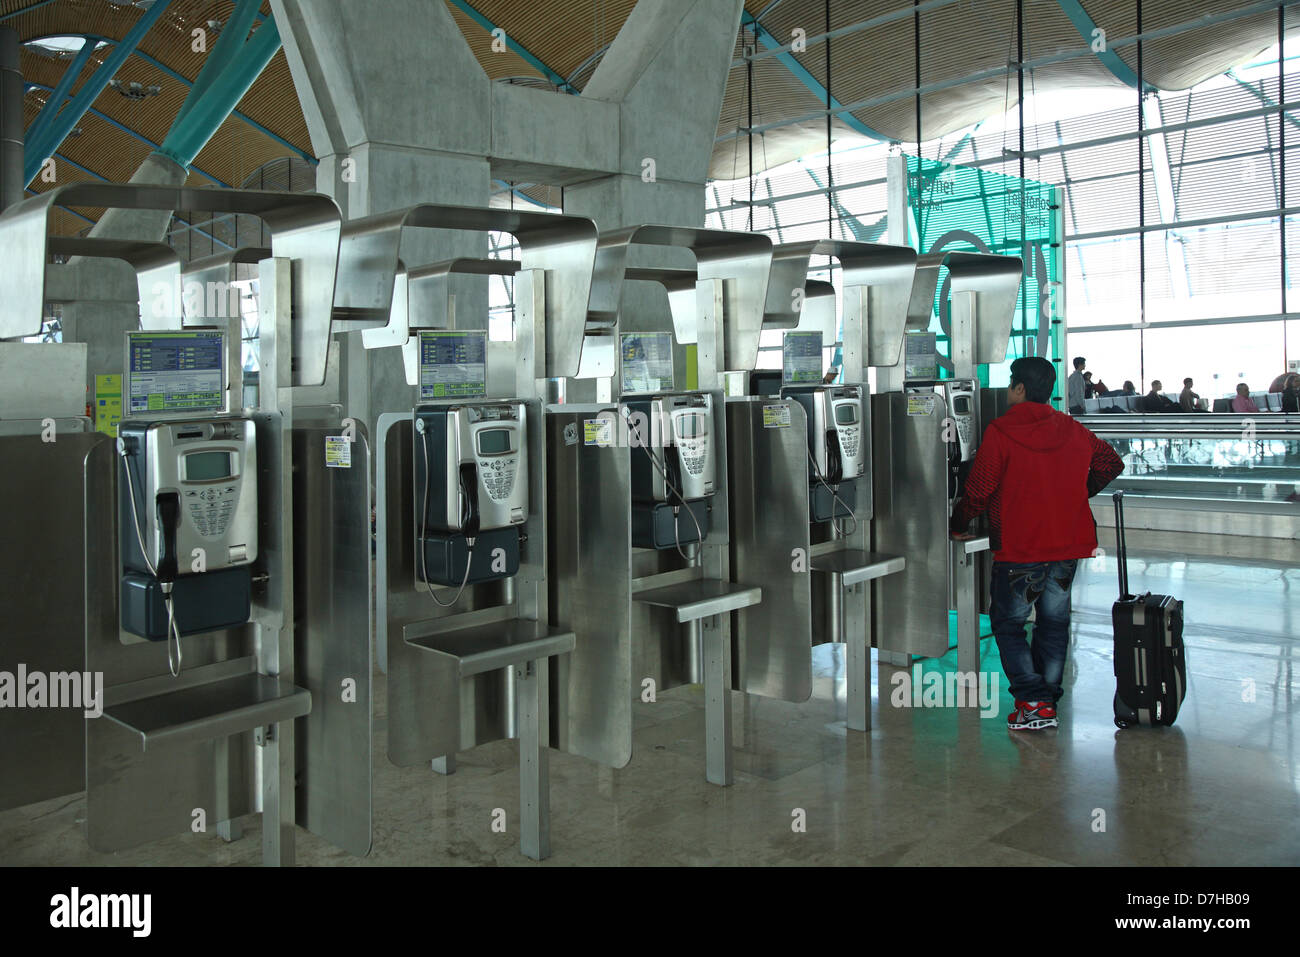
(1124, 715)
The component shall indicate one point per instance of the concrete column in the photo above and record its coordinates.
(399, 110)
(102, 324)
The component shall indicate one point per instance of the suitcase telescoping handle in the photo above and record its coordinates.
(1121, 557)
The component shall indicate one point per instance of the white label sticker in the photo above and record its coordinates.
(338, 452)
(598, 432)
(776, 417)
(921, 404)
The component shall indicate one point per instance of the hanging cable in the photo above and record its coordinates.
(173, 629)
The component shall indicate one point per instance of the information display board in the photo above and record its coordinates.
(801, 358)
(647, 361)
(453, 365)
(921, 355)
(175, 372)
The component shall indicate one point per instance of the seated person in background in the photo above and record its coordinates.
(1129, 387)
(1153, 401)
(1242, 402)
(1291, 394)
(1088, 390)
(1187, 399)
(830, 375)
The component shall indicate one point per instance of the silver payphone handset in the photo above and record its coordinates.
(676, 470)
(959, 396)
(471, 476)
(187, 508)
(189, 526)
(838, 449)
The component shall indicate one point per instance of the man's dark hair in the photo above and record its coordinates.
(1037, 376)
(1079, 361)
(1187, 382)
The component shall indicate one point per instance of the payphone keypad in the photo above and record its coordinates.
(498, 476)
(210, 509)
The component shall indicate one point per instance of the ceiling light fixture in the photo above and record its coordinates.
(134, 90)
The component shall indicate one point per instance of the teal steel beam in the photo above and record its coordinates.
(514, 46)
(189, 84)
(1094, 36)
(1264, 97)
(223, 53)
(41, 125)
(800, 73)
(62, 125)
(191, 133)
(116, 124)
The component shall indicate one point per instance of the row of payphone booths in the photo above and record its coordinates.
(559, 522)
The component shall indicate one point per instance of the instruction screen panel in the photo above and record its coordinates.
(802, 358)
(452, 364)
(647, 361)
(176, 371)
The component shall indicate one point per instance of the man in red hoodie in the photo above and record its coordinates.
(1033, 474)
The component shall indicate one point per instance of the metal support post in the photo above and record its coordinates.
(532, 706)
(717, 711)
(855, 612)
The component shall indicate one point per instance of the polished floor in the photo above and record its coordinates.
(926, 786)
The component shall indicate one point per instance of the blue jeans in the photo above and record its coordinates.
(1034, 671)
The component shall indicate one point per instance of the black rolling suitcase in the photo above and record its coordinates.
(1150, 664)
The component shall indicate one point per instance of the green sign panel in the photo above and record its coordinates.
(964, 209)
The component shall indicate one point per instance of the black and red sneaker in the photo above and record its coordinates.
(1032, 716)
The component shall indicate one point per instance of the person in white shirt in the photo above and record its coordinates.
(1076, 386)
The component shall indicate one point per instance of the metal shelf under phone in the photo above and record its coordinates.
(212, 709)
(701, 599)
(476, 649)
(853, 566)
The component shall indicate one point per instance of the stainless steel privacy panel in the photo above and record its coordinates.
(911, 465)
(994, 279)
(741, 261)
(770, 547)
(42, 750)
(304, 227)
(155, 265)
(590, 492)
(563, 246)
(135, 796)
(332, 637)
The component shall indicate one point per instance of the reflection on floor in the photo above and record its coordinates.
(926, 786)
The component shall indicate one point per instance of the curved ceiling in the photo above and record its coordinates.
(557, 44)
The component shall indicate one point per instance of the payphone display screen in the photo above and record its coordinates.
(691, 426)
(921, 356)
(647, 361)
(175, 371)
(493, 441)
(801, 362)
(845, 414)
(961, 405)
(206, 466)
(452, 364)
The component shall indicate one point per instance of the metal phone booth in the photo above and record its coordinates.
(926, 433)
(462, 508)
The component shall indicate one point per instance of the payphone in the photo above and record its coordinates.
(674, 475)
(471, 467)
(838, 447)
(471, 473)
(187, 505)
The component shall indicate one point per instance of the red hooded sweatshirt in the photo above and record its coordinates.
(1034, 473)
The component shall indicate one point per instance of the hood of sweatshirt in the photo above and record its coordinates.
(1035, 426)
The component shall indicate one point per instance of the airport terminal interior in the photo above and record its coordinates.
(620, 433)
